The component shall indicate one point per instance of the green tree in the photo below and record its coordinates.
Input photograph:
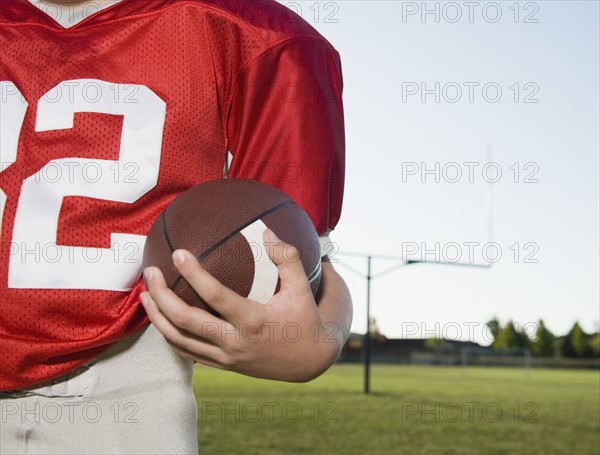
(494, 327)
(595, 345)
(576, 343)
(506, 338)
(509, 337)
(544, 344)
(523, 340)
(374, 330)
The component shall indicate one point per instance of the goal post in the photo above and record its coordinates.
(496, 357)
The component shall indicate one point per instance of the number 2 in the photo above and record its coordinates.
(36, 219)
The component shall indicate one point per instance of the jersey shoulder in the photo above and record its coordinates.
(270, 20)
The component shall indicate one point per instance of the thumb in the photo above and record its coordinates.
(287, 259)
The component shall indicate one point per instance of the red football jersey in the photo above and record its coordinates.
(104, 123)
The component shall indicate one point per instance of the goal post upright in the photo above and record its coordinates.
(404, 262)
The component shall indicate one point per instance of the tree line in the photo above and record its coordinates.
(575, 344)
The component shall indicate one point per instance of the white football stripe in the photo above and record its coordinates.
(265, 271)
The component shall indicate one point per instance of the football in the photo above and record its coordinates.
(221, 222)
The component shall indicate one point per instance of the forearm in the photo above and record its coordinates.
(335, 307)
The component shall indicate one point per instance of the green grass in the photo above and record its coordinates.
(411, 410)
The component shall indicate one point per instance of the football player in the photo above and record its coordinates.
(109, 110)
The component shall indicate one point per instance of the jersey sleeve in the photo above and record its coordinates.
(285, 126)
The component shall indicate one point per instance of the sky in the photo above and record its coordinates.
(426, 95)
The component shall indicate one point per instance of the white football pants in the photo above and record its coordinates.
(136, 397)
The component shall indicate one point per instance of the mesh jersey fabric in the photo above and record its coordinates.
(141, 101)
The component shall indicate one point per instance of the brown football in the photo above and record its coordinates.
(221, 222)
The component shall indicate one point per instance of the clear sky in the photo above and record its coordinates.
(521, 77)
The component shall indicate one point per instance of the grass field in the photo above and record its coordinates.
(436, 410)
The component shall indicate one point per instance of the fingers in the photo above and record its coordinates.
(175, 311)
(232, 306)
(195, 357)
(287, 260)
(180, 339)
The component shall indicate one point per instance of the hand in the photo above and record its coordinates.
(284, 339)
